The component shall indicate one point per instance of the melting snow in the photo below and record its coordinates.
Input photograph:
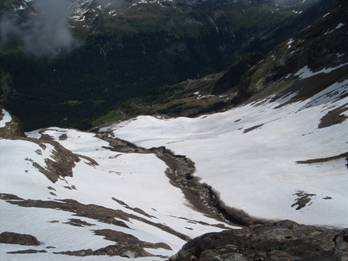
(249, 155)
(139, 180)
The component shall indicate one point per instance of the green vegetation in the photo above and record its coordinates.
(136, 57)
(111, 116)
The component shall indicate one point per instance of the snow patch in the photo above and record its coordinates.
(6, 118)
(306, 72)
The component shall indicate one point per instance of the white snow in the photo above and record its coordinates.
(18, 175)
(6, 118)
(63, 236)
(327, 14)
(248, 154)
(306, 72)
(129, 173)
(139, 180)
(338, 26)
(257, 171)
(289, 43)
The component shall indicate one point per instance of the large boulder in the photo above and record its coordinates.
(285, 240)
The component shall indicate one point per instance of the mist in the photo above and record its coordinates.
(46, 32)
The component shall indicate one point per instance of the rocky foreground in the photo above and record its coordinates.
(280, 241)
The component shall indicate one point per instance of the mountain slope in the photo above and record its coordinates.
(254, 152)
(141, 189)
(136, 52)
(84, 199)
(288, 139)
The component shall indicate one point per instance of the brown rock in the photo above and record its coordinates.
(19, 239)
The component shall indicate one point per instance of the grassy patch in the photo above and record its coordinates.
(110, 117)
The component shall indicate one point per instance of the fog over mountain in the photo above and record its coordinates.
(45, 32)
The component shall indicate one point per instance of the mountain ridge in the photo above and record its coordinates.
(127, 66)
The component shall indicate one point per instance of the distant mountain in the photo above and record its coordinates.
(124, 52)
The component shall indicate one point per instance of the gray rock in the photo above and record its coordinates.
(277, 241)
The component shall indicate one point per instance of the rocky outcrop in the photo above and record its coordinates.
(91, 211)
(126, 246)
(19, 239)
(285, 240)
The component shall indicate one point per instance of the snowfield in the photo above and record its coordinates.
(251, 155)
(80, 195)
(133, 183)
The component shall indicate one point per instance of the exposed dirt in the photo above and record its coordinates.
(303, 199)
(126, 246)
(7, 197)
(137, 210)
(62, 164)
(62, 160)
(333, 117)
(180, 172)
(324, 160)
(99, 213)
(27, 251)
(192, 221)
(89, 160)
(18, 239)
(126, 239)
(252, 128)
(78, 223)
(112, 250)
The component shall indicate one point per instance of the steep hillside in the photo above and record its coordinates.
(72, 193)
(288, 138)
(320, 45)
(268, 143)
(124, 53)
